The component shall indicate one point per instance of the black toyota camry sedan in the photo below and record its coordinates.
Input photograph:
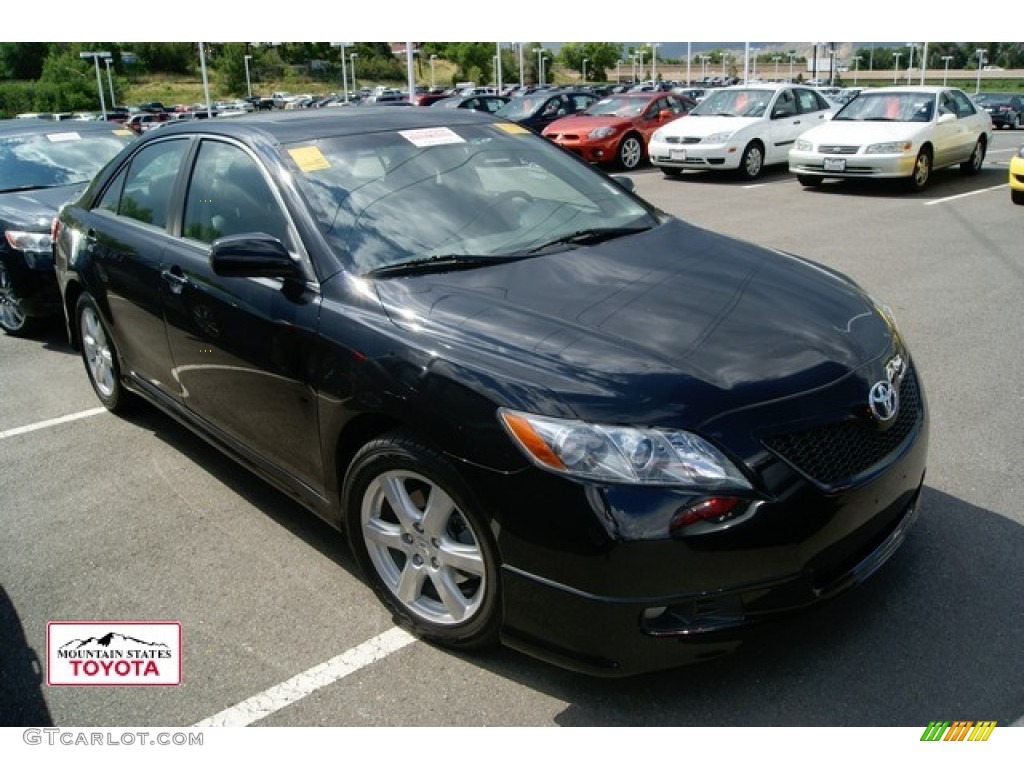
(544, 412)
(43, 164)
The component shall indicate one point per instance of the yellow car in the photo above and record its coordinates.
(1017, 177)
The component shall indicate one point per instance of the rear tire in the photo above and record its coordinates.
(973, 164)
(100, 356)
(1017, 196)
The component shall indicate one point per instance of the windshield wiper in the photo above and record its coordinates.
(439, 263)
(26, 188)
(588, 237)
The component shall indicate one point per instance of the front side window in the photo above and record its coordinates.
(229, 195)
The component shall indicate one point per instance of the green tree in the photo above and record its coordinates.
(231, 68)
(22, 61)
(600, 57)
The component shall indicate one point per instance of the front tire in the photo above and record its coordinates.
(100, 356)
(422, 542)
(1017, 196)
(13, 319)
(918, 180)
(631, 153)
(752, 162)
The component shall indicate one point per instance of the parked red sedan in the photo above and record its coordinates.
(615, 130)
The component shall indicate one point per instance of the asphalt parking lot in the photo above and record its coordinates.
(137, 520)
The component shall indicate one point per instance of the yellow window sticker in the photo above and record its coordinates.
(513, 128)
(309, 159)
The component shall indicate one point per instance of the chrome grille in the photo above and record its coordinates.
(837, 149)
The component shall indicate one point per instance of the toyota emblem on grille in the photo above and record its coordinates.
(884, 400)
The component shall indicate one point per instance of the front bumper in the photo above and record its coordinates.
(33, 282)
(695, 156)
(852, 166)
(597, 152)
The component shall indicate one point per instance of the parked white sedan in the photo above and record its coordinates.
(896, 132)
(743, 127)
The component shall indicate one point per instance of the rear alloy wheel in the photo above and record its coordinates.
(100, 356)
(973, 164)
(631, 152)
(809, 181)
(918, 180)
(752, 162)
(13, 319)
(421, 542)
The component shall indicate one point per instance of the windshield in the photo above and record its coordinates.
(743, 102)
(889, 107)
(618, 106)
(56, 159)
(482, 191)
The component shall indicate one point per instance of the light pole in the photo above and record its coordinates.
(725, 55)
(433, 57)
(981, 60)
(910, 65)
(776, 59)
(896, 67)
(753, 63)
(945, 75)
(344, 72)
(110, 83)
(542, 63)
(618, 71)
(632, 75)
(497, 55)
(248, 82)
(704, 67)
(585, 71)
(792, 58)
(522, 72)
(96, 56)
(640, 53)
(352, 60)
(689, 60)
(856, 69)
(540, 66)
(654, 61)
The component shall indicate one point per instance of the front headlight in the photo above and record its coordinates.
(889, 148)
(625, 455)
(717, 138)
(601, 133)
(38, 242)
(803, 145)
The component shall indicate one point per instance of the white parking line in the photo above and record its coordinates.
(966, 194)
(51, 422)
(280, 696)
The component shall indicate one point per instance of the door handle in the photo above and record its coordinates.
(175, 278)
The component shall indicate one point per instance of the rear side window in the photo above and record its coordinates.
(142, 190)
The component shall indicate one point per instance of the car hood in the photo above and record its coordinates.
(698, 125)
(33, 210)
(859, 132)
(683, 323)
(582, 123)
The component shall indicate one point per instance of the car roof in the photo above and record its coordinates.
(40, 127)
(911, 89)
(287, 127)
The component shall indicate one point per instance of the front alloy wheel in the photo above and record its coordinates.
(631, 153)
(13, 319)
(918, 180)
(422, 544)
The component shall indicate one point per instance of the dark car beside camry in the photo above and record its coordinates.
(43, 164)
(544, 412)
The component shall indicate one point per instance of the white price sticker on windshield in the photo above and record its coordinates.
(431, 137)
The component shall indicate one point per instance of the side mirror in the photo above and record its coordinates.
(947, 117)
(625, 182)
(252, 254)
